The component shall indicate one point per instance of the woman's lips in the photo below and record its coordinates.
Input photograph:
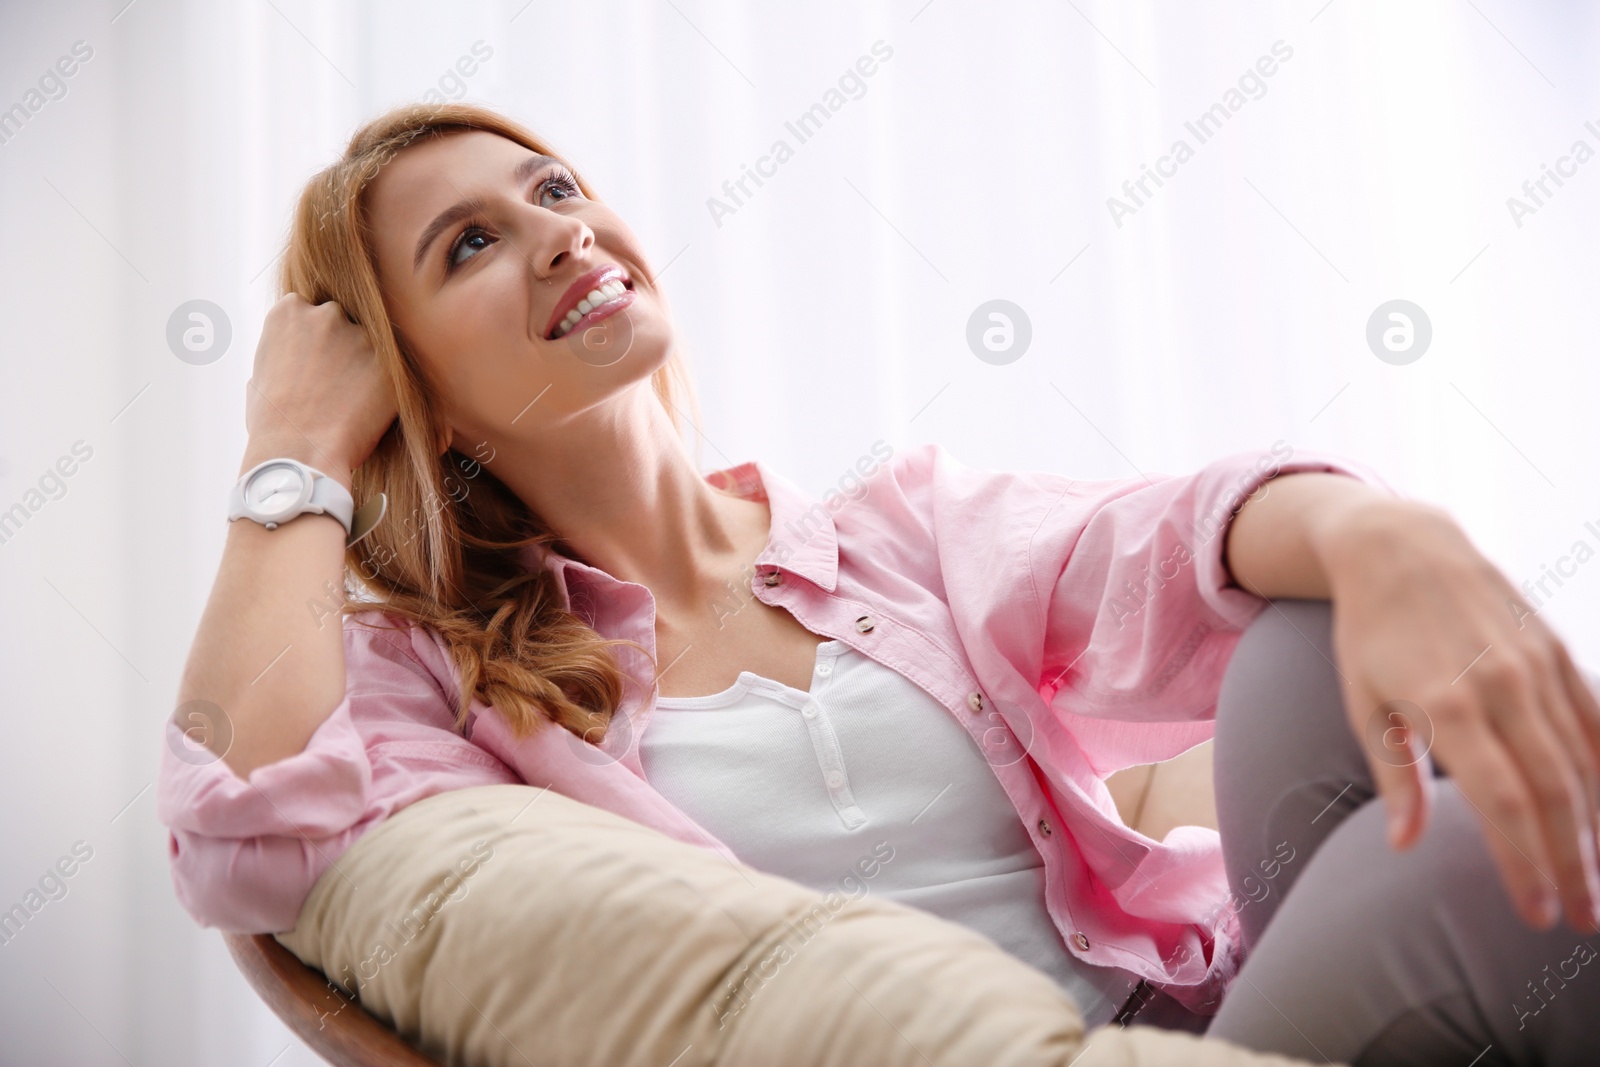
(599, 313)
(604, 290)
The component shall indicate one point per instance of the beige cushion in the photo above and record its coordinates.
(506, 925)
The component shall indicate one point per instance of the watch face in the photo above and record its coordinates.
(275, 490)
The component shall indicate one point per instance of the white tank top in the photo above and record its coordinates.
(821, 786)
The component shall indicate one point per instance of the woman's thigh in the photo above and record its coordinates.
(1376, 956)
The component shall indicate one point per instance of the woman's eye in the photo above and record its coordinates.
(468, 236)
(559, 183)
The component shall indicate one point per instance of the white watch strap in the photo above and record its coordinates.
(331, 498)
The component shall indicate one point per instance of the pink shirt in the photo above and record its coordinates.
(1072, 627)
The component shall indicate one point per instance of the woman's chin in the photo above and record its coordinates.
(634, 345)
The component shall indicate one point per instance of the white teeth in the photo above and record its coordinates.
(600, 295)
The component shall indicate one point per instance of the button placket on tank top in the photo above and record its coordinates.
(825, 740)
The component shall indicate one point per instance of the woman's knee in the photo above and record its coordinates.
(1283, 657)
(1288, 767)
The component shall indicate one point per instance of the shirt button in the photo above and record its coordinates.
(1044, 827)
(975, 701)
(809, 711)
(773, 578)
(864, 624)
(835, 780)
(1081, 941)
(824, 668)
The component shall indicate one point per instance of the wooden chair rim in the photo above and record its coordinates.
(338, 1029)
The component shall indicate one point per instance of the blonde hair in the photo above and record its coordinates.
(449, 555)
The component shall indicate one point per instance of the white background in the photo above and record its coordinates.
(829, 311)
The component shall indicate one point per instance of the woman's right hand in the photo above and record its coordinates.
(317, 392)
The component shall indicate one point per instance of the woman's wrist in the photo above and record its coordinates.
(1357, 535)
(1289, 536)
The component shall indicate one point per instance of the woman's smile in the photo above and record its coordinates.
(596, 295)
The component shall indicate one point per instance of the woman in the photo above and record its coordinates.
(556, 596)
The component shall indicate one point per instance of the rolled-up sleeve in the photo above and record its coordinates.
(1142, 614)
(245, 853)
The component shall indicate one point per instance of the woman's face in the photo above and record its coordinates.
(479, 244)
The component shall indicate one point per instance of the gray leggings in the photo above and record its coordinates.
(1375, 956)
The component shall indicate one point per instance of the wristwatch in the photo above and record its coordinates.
(278, 490)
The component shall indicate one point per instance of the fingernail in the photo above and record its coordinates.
(1547, 908)
(1399, 816)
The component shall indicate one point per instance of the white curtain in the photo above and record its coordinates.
(938, 155)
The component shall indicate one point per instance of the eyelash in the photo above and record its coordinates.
(561, 179)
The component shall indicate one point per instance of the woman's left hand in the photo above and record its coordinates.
(1443, 657)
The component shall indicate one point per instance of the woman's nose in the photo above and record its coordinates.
(562, 236)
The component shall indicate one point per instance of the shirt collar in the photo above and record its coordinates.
(802, 540)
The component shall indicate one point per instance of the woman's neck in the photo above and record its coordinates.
(618, 487)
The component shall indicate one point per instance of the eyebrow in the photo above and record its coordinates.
(472, 205)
